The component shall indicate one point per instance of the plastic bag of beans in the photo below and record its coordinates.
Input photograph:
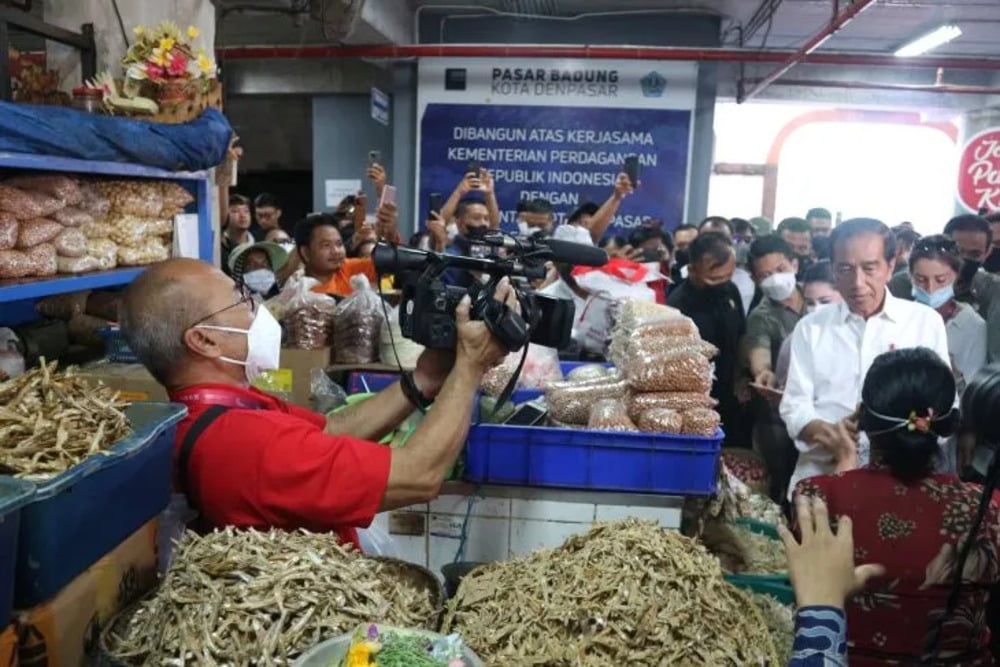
(678, 370)
(143, 199)
(175, 197)
(609, 414)
(657, 345)
(105, 251)
(97, 230)
(72, 217)
(661, 420)
(73, 265)
(668, 400)
(42, 259)
(634, 314)
(94, 203)
(128, 230)
(35, 231)
(70, 243)
(8, 231)
(700, 421)
(357, 323)
(149, 252)
(25, 205)
(58, 186)
(588, 372)
(571, 402)
(14, 264)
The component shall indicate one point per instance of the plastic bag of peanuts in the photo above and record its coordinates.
(610, 414)
(668, 400)
(661, 420)
(678, 370)
(700, 421)
(570, 402)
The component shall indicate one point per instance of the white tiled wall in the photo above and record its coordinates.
(498, 526)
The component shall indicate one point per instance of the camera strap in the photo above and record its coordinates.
(508, 390)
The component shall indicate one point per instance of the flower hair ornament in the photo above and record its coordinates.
(914, 423)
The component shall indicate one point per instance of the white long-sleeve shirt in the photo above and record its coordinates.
(832, 350)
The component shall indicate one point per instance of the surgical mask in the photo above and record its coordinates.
(452, 229)
(683, 257)
(778, 286)
(263, 343)
(819, 307)
(260, 281)
(523, 229)
(934, 299)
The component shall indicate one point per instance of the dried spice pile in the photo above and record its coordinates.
(764, 555)
(626, 593)
(261, 598)
(780, 620)
(50, 421)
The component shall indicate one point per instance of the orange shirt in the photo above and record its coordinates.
(340, 283)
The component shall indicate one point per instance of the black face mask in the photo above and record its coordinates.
(969, 270)
(682, 258)
(476, 232)
(805, 261)
(719, 291)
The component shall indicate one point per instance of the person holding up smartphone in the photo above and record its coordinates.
(476, 185)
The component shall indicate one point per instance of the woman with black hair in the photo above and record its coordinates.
(912, 521)
(935, 265)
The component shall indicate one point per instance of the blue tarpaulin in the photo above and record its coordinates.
(62, 132)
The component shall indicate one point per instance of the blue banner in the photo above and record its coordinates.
(567, 155)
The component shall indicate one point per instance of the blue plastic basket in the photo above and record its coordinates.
(601, 460)
(116, 348)
(79, 516)
(363, 383)
(14, 494)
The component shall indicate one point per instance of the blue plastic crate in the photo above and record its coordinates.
(79, 516)
(602, 460)
(14, 494)
(363, 383)
(116, 348)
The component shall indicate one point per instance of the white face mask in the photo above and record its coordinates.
(260, 281)
(818, 307)
(778, 286)
(523, 229)
(452, 230)
(263, 343)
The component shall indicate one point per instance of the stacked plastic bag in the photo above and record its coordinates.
(667, 370)
(55, 223)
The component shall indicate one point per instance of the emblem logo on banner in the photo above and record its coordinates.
(979, 172)
(653, 84)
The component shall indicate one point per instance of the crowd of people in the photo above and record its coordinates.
(844, 350)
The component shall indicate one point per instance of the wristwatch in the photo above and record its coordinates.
(413, 393)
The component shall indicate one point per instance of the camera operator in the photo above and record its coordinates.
(247, 459)
(476, 185)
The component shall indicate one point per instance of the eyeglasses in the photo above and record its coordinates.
(244, 295)
(936, 245)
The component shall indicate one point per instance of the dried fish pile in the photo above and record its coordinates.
(626, 593)
(50, 421)
(780, 620)
(763, 554)
(248, 597)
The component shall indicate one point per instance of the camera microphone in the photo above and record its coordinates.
(567, 252)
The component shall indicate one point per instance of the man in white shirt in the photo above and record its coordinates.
(831, 350)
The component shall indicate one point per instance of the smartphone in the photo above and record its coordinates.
(388, 195)
(474, 167)
(437, 203)
(631, 169)
(374, 157)
(526, 415)
(767, 392)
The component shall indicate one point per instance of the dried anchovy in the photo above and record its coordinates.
(247, 597)
(780, 620)
(49, 422)
(626, 593)
(763, 555)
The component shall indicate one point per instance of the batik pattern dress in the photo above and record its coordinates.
(915, 531)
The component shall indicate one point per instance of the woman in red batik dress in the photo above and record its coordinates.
(913, 522)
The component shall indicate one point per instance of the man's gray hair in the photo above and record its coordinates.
(153, 318)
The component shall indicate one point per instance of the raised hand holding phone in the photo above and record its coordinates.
(631, 170)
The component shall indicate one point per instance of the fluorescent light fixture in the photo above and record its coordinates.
(928, 42)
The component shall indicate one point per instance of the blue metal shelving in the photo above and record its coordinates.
(14, 293)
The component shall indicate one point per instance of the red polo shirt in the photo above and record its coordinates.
(264, 463)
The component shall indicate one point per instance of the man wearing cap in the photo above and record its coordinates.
(255, 264)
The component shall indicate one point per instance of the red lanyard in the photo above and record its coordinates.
(219, 396)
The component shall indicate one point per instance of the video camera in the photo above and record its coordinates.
(427, 309)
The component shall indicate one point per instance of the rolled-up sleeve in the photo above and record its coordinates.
(797, 407)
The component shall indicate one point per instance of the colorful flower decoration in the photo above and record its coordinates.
(166, 53)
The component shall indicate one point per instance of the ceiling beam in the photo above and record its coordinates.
(840, 20)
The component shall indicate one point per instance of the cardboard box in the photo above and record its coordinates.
(132, 381)
(8, 647)
(64, 632)
(291, 381)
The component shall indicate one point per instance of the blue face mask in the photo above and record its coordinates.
(934, 299)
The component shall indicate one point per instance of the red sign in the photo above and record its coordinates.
(979, 172)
